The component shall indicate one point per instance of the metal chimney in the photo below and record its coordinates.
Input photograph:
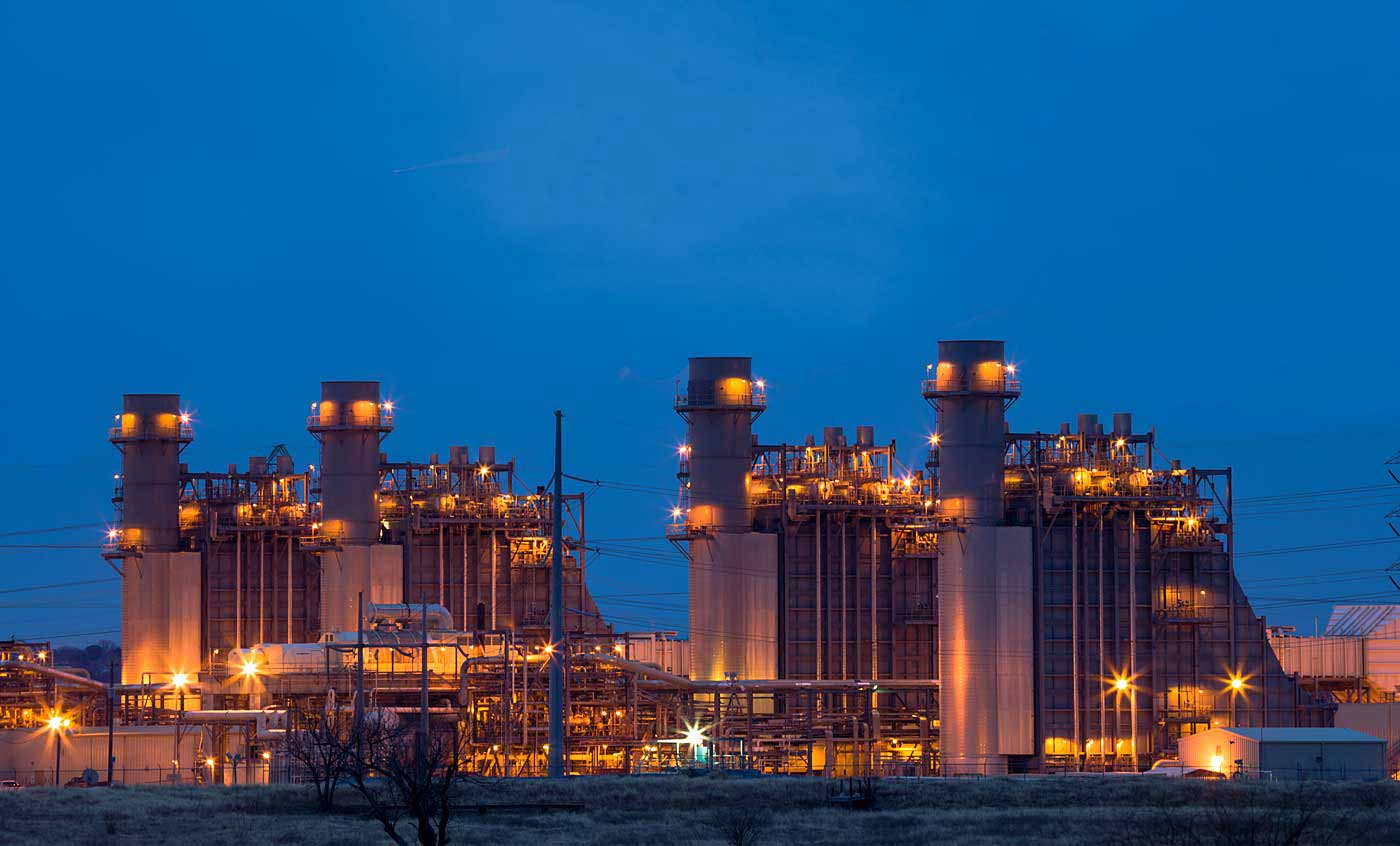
(150, 433)
(721, 402)
(350, 421)
(970, 390)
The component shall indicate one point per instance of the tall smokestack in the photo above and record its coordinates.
(161, 588)
(733, 571)
(984, 569)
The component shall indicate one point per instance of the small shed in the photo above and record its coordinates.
(1286, 753)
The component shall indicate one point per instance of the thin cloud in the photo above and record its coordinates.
(484, 157)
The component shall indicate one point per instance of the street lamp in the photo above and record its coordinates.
(57, 723)
(179, 681)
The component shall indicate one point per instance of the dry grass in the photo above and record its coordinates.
(682, 812)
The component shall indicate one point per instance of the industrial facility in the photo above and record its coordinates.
(1024, 600)
(1029, 600)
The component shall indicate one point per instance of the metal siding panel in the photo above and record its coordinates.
(1015, 642)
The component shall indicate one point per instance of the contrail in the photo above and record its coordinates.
(469, 158)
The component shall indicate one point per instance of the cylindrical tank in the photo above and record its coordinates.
(150, 433)
(349, 421)
(865, 436)
(719, 404)
(1087, 423)
(970, 389)
(1122, 424)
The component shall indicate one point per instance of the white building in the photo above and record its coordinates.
(1286, 753)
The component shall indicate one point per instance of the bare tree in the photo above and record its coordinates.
(401, 774)
(323, 752)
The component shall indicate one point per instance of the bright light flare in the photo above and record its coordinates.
(388, 405)
(761, 384)
(1120, 684)
(1011, 369)
(250, 669)
(694, 736)
(113, 534)
(185, 418)
(675, 513)
(1236, 683)
(179, 680)
(58, 721)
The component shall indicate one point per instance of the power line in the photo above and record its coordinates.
(60, 585)
(52, 529)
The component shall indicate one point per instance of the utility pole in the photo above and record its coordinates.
(556, 609)
(111, 714)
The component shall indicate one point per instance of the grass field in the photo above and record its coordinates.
(679, 811)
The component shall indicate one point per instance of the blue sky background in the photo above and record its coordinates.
(1183, 210)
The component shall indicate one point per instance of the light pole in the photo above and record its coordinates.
(57, 723)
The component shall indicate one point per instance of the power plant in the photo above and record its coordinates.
(1025, 600)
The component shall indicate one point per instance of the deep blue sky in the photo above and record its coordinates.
(1186, 211)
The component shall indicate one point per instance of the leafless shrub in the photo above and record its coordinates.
(1253, 815)
(739, 825)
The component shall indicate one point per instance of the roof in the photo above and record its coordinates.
(1302, 735)
(1360, 620)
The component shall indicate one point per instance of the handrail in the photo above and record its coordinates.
(964, 385)
(710, 398)
(342, 418)
(146, 428)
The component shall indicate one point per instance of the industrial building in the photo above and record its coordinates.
(1022, 600)
(1356, 658)
(1331, 754)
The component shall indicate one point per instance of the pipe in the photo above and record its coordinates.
(398, 612)
(759, 685)
(44, 669)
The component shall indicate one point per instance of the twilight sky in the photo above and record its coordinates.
(1187, 211)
